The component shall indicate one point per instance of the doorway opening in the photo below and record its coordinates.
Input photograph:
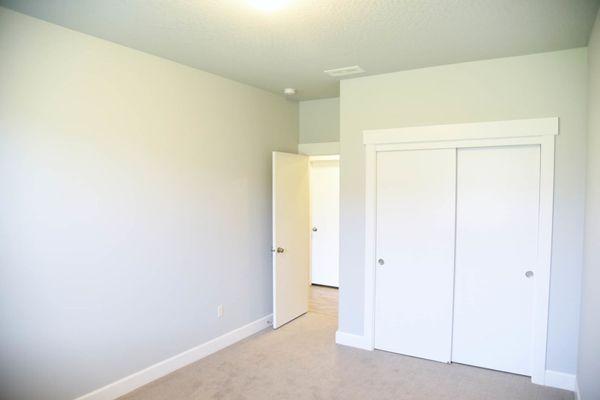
(325, 233)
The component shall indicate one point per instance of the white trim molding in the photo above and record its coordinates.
(474, 130)
(158, 370)
(352, 340)
(542, 132)
(561, 380)
(319, 149)
(333, 157)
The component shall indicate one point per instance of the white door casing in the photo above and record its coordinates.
(415, 252)
(291, 236)
(540, 132)
(325, 197)
(496, 250)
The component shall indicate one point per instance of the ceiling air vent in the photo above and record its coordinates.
(355, 69)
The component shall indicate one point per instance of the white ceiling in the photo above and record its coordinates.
(293, 46)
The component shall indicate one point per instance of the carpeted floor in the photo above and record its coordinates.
(301, 361)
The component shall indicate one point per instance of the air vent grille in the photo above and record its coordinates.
(345, 71)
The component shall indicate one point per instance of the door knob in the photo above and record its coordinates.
(280, 249)
(529, 274)
(314, 229)
(380, 261)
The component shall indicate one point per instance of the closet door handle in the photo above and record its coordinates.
(380, 261)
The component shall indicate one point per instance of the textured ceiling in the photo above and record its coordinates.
(293, 46)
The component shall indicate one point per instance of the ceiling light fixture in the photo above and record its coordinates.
(289, 91)
(268, 5)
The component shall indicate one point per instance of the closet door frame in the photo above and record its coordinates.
(540, 131)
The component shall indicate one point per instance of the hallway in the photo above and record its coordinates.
(323, 300)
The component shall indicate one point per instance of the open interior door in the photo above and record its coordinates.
(291, 237)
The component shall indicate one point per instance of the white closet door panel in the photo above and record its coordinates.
(496, 244)
(325, 206)
(415, 238)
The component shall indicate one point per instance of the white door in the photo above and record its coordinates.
(291, 237)
(415, 251)
(325, 215)
(496, 246)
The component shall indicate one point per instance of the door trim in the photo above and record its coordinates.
(332, 157)
(540, 131)
(472, 130)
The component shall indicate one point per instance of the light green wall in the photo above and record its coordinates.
(540, 85)
(135, 198)
(319, 120)
(588, 371)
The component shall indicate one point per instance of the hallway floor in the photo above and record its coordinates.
(323, 300)
(301, 361)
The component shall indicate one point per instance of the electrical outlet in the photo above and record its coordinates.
(220, 310)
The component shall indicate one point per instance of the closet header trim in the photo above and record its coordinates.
(474, 130)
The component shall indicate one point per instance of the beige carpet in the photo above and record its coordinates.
(302, 361)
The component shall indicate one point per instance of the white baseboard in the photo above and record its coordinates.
(560, 380)
(147, 375)
(352, 340)
(555, 379)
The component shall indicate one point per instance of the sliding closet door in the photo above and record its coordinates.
(415, 252)
(496, 246)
